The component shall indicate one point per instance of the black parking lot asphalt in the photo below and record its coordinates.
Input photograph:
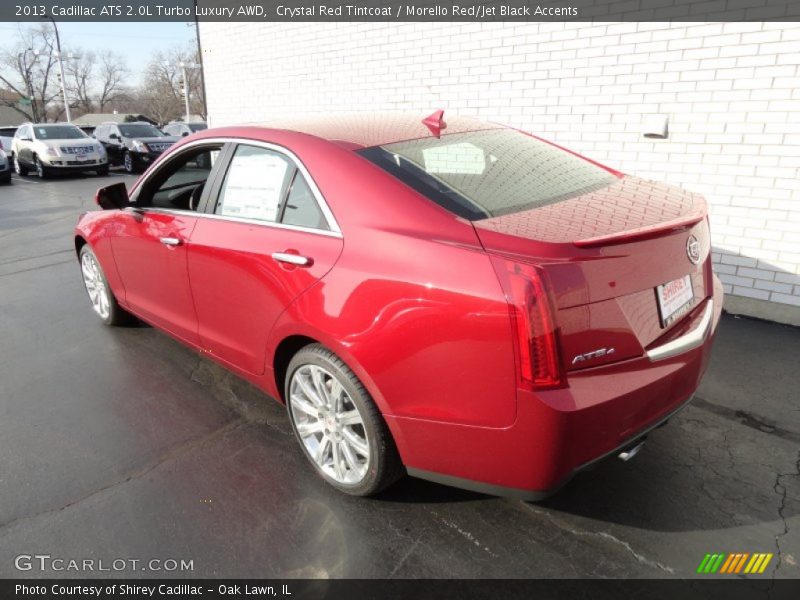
(118, 443)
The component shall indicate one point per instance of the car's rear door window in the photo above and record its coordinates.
(254, 185)
(483, 174)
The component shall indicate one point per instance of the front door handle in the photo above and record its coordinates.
(171, 241)
(292, 259)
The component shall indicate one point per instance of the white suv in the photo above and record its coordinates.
(50, 147)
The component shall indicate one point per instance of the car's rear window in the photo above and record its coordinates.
(483, 174)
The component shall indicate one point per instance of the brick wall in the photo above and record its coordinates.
(731, 92)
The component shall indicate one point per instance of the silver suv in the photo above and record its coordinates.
(50, 147)
(182, 129)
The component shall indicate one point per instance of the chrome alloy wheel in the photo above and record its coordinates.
(329, 424)
(127, 162)
(95, 285)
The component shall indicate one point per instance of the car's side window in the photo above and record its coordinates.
(301, 208)
(179, 184)
(254, 185)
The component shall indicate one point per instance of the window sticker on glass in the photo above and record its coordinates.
(463, 158)
(253, 185)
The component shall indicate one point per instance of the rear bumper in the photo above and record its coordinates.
(559, 432)
(538, 495)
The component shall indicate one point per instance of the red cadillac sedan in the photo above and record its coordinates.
(448, 298)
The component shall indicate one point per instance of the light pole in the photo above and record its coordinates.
(60, 68)
(184, 68)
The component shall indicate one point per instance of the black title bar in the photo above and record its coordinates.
(407, 589)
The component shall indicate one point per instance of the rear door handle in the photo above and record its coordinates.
(292, 259)
(171, 241)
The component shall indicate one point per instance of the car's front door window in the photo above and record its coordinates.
(179, 184)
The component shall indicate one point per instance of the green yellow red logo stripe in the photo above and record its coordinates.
(735, 563)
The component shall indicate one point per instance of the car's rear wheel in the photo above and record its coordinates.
(102, 298)
(41, 170)
(19, 168)
(338, 425)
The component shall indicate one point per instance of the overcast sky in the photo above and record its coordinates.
(135, 41)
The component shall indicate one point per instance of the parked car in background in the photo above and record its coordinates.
(454, 299)
(48, 148)
(6, 137)
(5, 167)
(182, 129)
(133, 145)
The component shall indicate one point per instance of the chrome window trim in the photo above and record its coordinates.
(201, 215)
(334, 230)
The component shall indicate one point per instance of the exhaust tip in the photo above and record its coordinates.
(631, 451)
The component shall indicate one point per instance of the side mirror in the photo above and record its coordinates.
(185, 133)
(113, 136)
(112, 197)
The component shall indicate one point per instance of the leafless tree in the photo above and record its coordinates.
(28, 71)
(161, 92)
(79, 71)
(112, 74)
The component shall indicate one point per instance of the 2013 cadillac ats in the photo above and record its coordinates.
(451, 298)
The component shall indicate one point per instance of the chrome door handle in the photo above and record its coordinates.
(171, 241)
(292, 259)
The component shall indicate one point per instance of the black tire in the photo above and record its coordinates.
(19, 168)
(116, 314)
(384, 467)
(6, 178)
(128, 163)
(41, 170)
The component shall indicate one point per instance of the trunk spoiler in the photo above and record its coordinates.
(632, 235)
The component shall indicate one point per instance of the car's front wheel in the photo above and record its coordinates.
(19, 168)
(339, 428)
(41, 170)
(102, 298)
(128, 163)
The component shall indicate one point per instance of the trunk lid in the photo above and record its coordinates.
(604, 254)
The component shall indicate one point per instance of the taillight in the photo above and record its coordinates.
(539, 363)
